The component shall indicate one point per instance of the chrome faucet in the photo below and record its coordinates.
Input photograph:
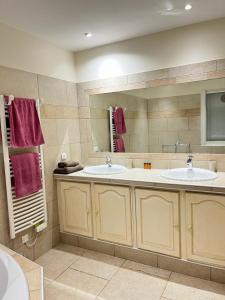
(108, 161)
(190, 162)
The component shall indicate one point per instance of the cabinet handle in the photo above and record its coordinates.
(97, 212)
(189, 228)
(177, 226)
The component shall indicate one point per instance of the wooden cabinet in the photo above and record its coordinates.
(75, 208)
(158, 221)
(113, 213)
(205, 225)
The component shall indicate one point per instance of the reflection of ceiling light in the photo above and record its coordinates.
(88, 34)
(188, 6)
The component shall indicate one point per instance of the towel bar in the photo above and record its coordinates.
(26, 211)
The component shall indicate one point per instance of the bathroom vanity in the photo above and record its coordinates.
(141, 209)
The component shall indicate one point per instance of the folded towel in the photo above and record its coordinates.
(27, 173)
(25, 128)
(120, 147)
(119, 120)
(64, 164)
(68, 170)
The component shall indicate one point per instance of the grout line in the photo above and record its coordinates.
(166, 285)
(107, 283)
(83, 272)
(66, 268)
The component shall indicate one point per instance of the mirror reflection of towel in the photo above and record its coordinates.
(120, 147)
(119, 120)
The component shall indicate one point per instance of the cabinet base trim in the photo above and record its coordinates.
(172, 264)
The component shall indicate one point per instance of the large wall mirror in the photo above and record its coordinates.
(165, 119)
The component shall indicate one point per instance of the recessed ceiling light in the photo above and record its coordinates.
(88, 34)
(188, 6)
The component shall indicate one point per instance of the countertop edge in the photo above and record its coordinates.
(164, 184)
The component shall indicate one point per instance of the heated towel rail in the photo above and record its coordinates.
(112, 129)
(31, 210)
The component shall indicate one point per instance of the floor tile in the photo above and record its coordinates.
(98, 264)
(55, 262)
(82, 282)
(58, 291)
(70, 249)
(190, 288)
(146, 269)
(131, 285)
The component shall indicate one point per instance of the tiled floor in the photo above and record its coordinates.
(73, 273)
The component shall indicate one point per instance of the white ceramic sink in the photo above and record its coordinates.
(185, 174)
(105, 169)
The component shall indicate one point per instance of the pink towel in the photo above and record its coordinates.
(120, 144)
(119, 120)
(25, 128)
(27, 173)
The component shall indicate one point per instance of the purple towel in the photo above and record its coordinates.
(25, 128)
(27, 173)
(120, 144)
(119, 120)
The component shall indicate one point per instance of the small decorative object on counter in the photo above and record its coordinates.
(147, 165)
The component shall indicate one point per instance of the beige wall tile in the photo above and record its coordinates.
(69, 239)
(53, 91)
(218, 275)
(157, 124)
(18, 83)
(184, 267)
(143, 257)
(177, 124)
(194, 123)
(84, 112)
(71, 89)
(96, 245)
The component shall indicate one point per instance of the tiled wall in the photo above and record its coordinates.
(60, 124)
(174, 119)
(183, 74)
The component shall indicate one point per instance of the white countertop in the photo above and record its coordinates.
(148, 178)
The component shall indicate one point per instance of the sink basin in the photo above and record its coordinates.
(105, 169)
(194, 174)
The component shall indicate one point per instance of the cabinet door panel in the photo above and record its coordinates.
(158, 221)
(205, 218)
(113, 213)
(76, 208)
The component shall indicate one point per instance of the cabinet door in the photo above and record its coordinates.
(76, 208)
(205, 221)
(113, 213)
(158, 221)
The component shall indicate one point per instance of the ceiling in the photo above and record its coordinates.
(64, 22)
